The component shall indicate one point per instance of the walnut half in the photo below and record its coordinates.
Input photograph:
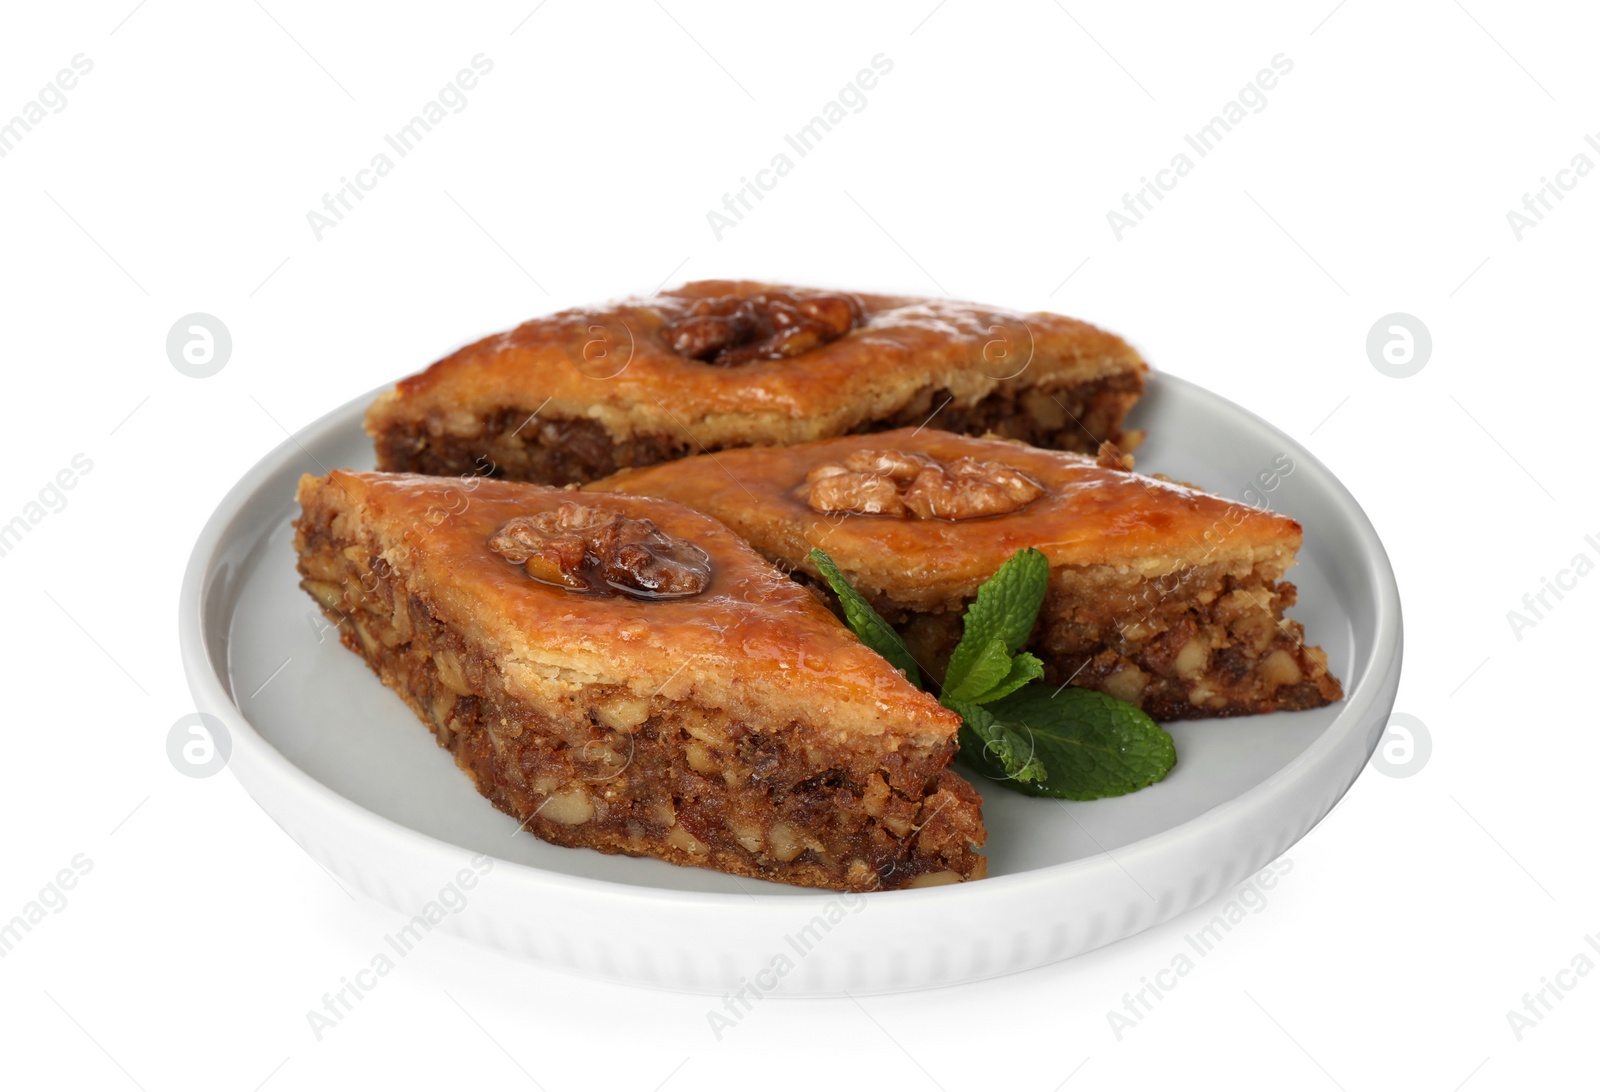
(897, 483)
(730, 330)
(596, 550)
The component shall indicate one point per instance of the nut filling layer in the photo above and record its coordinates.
(595, 550)
(897, 483)
(731, 330)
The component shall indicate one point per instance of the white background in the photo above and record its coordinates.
(1377, 179)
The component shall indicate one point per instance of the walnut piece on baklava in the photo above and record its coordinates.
(625, 674)
(1159, 594)
(725, 364)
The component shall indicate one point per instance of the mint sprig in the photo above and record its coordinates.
(1070, 743)
(986, 665)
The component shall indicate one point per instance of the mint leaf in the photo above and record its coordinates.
(1002, 616)
(1090, 744)
(989, 744)
(865, 622)
(982, 671)
(1025, 667)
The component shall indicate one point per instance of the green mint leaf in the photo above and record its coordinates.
(1004, 612)
(1025, 667)
(983, 671)
(1091, 744)
(989, 744)
(865, 622)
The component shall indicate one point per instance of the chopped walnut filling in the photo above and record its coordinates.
(895, 483)
(729, 330)
(592, 549)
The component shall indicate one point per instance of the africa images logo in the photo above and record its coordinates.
(1251, 99)
(451, 99)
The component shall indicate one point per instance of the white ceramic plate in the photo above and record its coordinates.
(353, 777)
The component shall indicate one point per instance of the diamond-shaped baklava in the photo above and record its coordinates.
(1159, 594)
(626, 674)
(726, 364)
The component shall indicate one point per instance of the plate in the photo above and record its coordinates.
(347, 770)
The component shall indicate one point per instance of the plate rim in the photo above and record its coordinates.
(1378, 673)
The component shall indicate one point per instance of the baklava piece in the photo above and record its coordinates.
(1159, 594)
(727, 364)
(625, 674)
